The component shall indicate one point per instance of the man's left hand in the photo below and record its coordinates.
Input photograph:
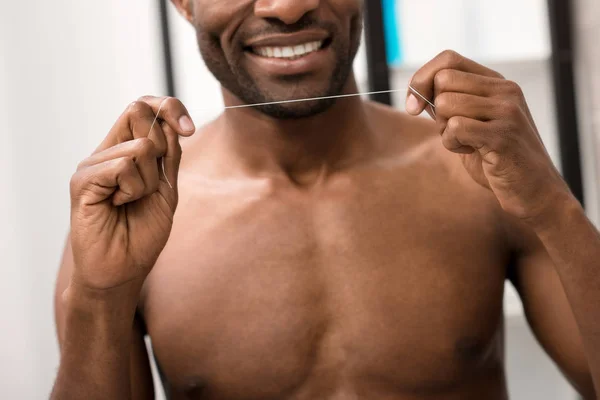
(485, 119)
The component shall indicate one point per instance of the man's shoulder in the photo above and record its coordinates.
(415, 144)
(193, 146)
(395, 119)
(402, 136)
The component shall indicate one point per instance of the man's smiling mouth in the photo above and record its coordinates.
(289, 47)
(289, 52)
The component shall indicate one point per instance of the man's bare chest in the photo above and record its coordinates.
(273, 291)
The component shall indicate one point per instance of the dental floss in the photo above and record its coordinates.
(162, 159)
(296, 101)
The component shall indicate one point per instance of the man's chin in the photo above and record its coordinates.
(296, 110)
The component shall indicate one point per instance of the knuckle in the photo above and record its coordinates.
(76, 182)
(510, 108)
(172, 103)
(443, 101)
(125, 164)
(513, 88)
(455, 124)
(417, 81)
(143, 146)
(451, 56)
(443, 78)
(137, 108)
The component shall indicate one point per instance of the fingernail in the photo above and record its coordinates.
(186, 124)
(412, 104)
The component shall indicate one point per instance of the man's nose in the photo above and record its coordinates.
(288, 11)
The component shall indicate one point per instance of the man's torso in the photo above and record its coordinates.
(385, 281)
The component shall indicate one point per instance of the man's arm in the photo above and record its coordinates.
(485, 118)
(555, 273)
(573, 244)
(122, 210)
(103, 354)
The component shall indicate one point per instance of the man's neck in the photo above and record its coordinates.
(304, 150)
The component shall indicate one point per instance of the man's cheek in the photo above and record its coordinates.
(347, 7)
(217, 15)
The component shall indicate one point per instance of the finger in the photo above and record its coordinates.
(142, 151)
(452, 104)
(508, 94)
(452, 80)
(118, 178)
(148, 169)
(135, 148)
(173, 112)
(131, 183)
(141, 118)
(464, 135)
(172, 158)
(137, 121)
(423, 79)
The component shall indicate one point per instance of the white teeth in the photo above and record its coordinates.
(288, 51)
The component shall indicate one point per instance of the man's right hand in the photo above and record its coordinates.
(122, 206)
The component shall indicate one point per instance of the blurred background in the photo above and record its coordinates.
(69, 68)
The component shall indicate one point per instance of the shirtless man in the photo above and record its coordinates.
(321, 249)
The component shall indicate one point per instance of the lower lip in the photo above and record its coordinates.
(281, 66)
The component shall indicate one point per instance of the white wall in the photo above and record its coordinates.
(67, 70)
(491, 30)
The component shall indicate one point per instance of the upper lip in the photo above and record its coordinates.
(289, 39)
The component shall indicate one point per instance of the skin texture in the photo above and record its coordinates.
(320, 250)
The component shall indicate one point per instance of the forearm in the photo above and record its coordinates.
(573, 244)
(95, 350)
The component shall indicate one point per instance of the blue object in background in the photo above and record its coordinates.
(393, 41)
